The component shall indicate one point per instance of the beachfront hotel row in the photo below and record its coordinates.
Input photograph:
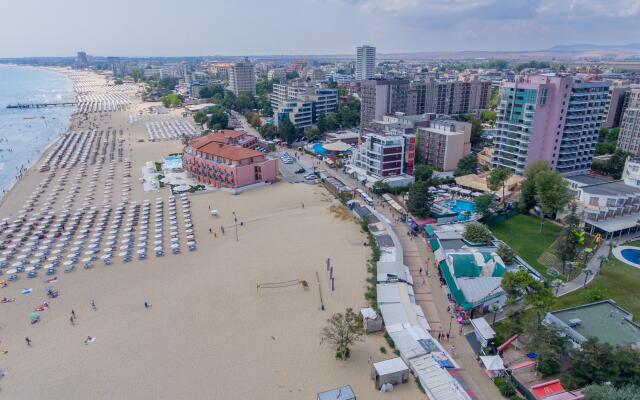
(227, 159)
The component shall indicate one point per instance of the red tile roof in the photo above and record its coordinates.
(230, 152)
(217, 137)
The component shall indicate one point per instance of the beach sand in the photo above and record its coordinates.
(209, 333)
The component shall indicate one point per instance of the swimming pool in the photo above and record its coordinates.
(463, 208)
(319, 149)
(631, 255)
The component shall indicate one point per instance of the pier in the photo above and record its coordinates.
(41, 105)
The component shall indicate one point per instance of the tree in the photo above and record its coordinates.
(528, 192)
(467, 165)
(551, 193)
(288, 131)
(615, 164)
(218, 120)
(484, 204)
(551, 346)
(423, 172)
(420, 199)
(268, 131)
(328, 122)
(171, 100)
(527, 196)
(506, 253)
(488, 116)
(476, 232)
(311, 133)
(211, 91)
(522, 285)
(137, 75)
(476, 127)
(292, 75)
(343, 330)
(118, 82)
(607, 392)
(497, 179)
(567, 246)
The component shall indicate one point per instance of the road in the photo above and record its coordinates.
(430, 295)
(245, 124)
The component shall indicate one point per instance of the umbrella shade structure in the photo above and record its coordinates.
(29, 269)
(11, 271)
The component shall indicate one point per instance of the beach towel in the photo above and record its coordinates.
(26, 291)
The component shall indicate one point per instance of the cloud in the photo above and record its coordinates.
(502, 9)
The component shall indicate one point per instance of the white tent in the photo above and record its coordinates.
(492, 363)
(483, 330)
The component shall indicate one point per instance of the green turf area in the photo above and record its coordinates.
(522, 233)
(618, 281)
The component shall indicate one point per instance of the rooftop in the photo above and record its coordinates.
(587, 179)
(603, 320)
(215, 144)
(614, 189)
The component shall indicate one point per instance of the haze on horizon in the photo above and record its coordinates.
(306, 27)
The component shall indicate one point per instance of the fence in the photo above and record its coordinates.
(502, 217)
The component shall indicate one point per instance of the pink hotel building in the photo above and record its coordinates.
(227, 160)
(552, 118)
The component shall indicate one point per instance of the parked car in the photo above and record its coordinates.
(300, 171)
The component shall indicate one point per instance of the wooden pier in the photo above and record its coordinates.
(41, 105)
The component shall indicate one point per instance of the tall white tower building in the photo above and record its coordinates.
(365, 62)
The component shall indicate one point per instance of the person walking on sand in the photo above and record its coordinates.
(453, 350)
(209, 230)
(73, 313)
(146, 304)
(28, 341)
(222, 229)
(93, 305)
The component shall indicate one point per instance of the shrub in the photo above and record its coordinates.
(506, 253)
(389, 340)
(506, 386)
(476, 232)
(548, 366)
(383, 350)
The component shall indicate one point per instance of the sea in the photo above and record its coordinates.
(26, 133)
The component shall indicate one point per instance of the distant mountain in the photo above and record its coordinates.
(595, 47)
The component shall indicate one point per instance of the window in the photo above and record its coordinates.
(593, 201)
(611, 202)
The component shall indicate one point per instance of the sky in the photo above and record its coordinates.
(307, 27)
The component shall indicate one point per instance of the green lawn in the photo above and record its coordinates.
(522, 233)
(618, 281)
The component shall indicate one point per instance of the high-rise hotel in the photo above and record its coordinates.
(552, 118)
(365, 62)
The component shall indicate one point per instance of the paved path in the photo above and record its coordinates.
(433, 300)
(593, 265)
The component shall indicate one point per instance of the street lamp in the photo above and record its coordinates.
(235, 221)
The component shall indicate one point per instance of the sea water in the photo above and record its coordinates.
(25, 133)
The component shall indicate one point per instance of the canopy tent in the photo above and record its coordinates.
(492, 363)
(337, 146)
(483, 331)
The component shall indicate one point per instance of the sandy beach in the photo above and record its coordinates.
(209, 332)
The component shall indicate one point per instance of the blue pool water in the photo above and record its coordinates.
(462, 207)
(632, 255)
(318, 149)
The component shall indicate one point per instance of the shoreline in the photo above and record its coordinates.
(30, 164)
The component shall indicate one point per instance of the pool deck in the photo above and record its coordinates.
(617, 252)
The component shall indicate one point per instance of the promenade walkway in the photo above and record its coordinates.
(432, 298)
